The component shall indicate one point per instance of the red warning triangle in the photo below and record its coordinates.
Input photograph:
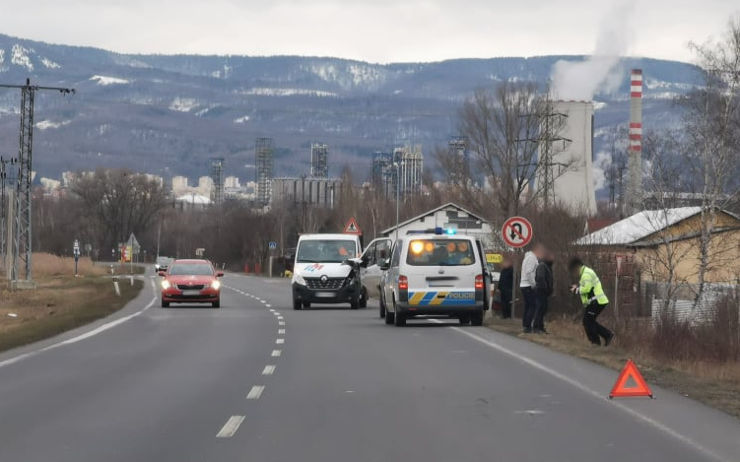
(638, 388)
(352, 228)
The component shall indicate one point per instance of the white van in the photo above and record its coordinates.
(326, 270)
(437, 275)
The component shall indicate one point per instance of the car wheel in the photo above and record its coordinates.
(363, 298)
(354, 303)
(296, 304)
(390, 317)
(398, 318)
(381, 303)
(464, 319)
(306, 304)
(476, 319)
(216, 304)
(165, 304)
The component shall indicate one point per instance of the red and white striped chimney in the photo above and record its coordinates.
(635, 132)
(634, 163)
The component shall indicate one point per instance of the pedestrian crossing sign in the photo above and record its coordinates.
(352, 227)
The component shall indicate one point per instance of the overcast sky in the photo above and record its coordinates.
(372, 30)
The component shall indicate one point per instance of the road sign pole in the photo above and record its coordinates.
(513, 286)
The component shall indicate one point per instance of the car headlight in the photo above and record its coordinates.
(165, 284)
(216, 285)
(298, 279)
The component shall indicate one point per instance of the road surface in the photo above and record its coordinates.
(257, 381)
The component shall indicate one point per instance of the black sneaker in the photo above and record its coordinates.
(608, 340)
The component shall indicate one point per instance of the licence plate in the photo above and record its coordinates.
(191, 292)
(324, 294)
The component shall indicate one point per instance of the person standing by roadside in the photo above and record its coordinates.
(543, 290)
(593, 299)
(505, 286)
(527, 285)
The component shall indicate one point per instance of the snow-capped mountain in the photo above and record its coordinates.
(169, 114)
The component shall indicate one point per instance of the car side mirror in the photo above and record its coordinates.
(220, 274)
(162, 274)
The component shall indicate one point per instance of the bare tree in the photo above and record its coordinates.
(505, 131)
(712, 125)
(119, 201)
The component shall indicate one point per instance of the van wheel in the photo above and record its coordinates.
(476, 318)
(306, 304)
(296, 304)
(464, 319)
(382, 305)
(389, 317)
(363, 298)
(216, 304)
(165, 304)
(399, 318)
(354, 303)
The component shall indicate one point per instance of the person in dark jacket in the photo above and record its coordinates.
(505, 286)
(544, 288)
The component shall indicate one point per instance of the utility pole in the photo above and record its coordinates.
(4, 206)
(22, 220)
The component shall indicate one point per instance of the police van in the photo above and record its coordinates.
(435, 274)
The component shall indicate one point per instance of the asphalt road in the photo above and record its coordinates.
(257, 381)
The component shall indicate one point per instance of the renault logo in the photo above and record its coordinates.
(324, 278)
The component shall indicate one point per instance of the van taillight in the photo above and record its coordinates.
(479, 282)
(403, 283)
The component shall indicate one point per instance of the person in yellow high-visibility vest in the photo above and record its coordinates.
(594, 301)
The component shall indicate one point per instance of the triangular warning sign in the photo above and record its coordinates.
(352, 228)
(623, 387)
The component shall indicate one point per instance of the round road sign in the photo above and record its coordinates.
(517, 232)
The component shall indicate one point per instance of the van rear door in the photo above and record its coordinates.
(441, 271)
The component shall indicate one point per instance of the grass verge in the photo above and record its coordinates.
(61, 301)
(716, 384)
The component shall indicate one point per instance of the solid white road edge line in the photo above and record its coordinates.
(230, 427)
(96, 331)
(648, 420)
(256, 392)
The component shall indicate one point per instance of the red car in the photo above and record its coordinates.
(191, 281)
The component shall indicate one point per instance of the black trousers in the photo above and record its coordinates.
(594, 330)
(541, 302)
(530, 307)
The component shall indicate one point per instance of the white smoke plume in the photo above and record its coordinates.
(580, 80)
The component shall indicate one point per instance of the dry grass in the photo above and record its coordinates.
(715, 383)
(61, 302)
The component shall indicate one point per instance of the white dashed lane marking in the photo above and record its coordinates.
(268, 370)
(230, 427)
(276, 353)
(256, 392)
(281, 331)
(280, 341)
(281, 323)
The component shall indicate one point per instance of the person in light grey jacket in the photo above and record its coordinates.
(528, 284)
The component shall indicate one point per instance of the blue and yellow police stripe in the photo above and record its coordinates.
(443, 298)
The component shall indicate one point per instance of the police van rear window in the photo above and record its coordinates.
(440, 252)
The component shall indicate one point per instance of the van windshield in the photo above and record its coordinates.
(440, 252)
(326, 251)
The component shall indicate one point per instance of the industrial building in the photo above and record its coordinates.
(321, 192)
(319, 160)
(570, 170)
(217, 176)
(410, 161)
(633, 203)
(384, 174)
(263, 171)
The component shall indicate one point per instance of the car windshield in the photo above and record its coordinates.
(440, 252)
(191, 269)
(326, 251)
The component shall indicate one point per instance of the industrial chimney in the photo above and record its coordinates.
(634, 186)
